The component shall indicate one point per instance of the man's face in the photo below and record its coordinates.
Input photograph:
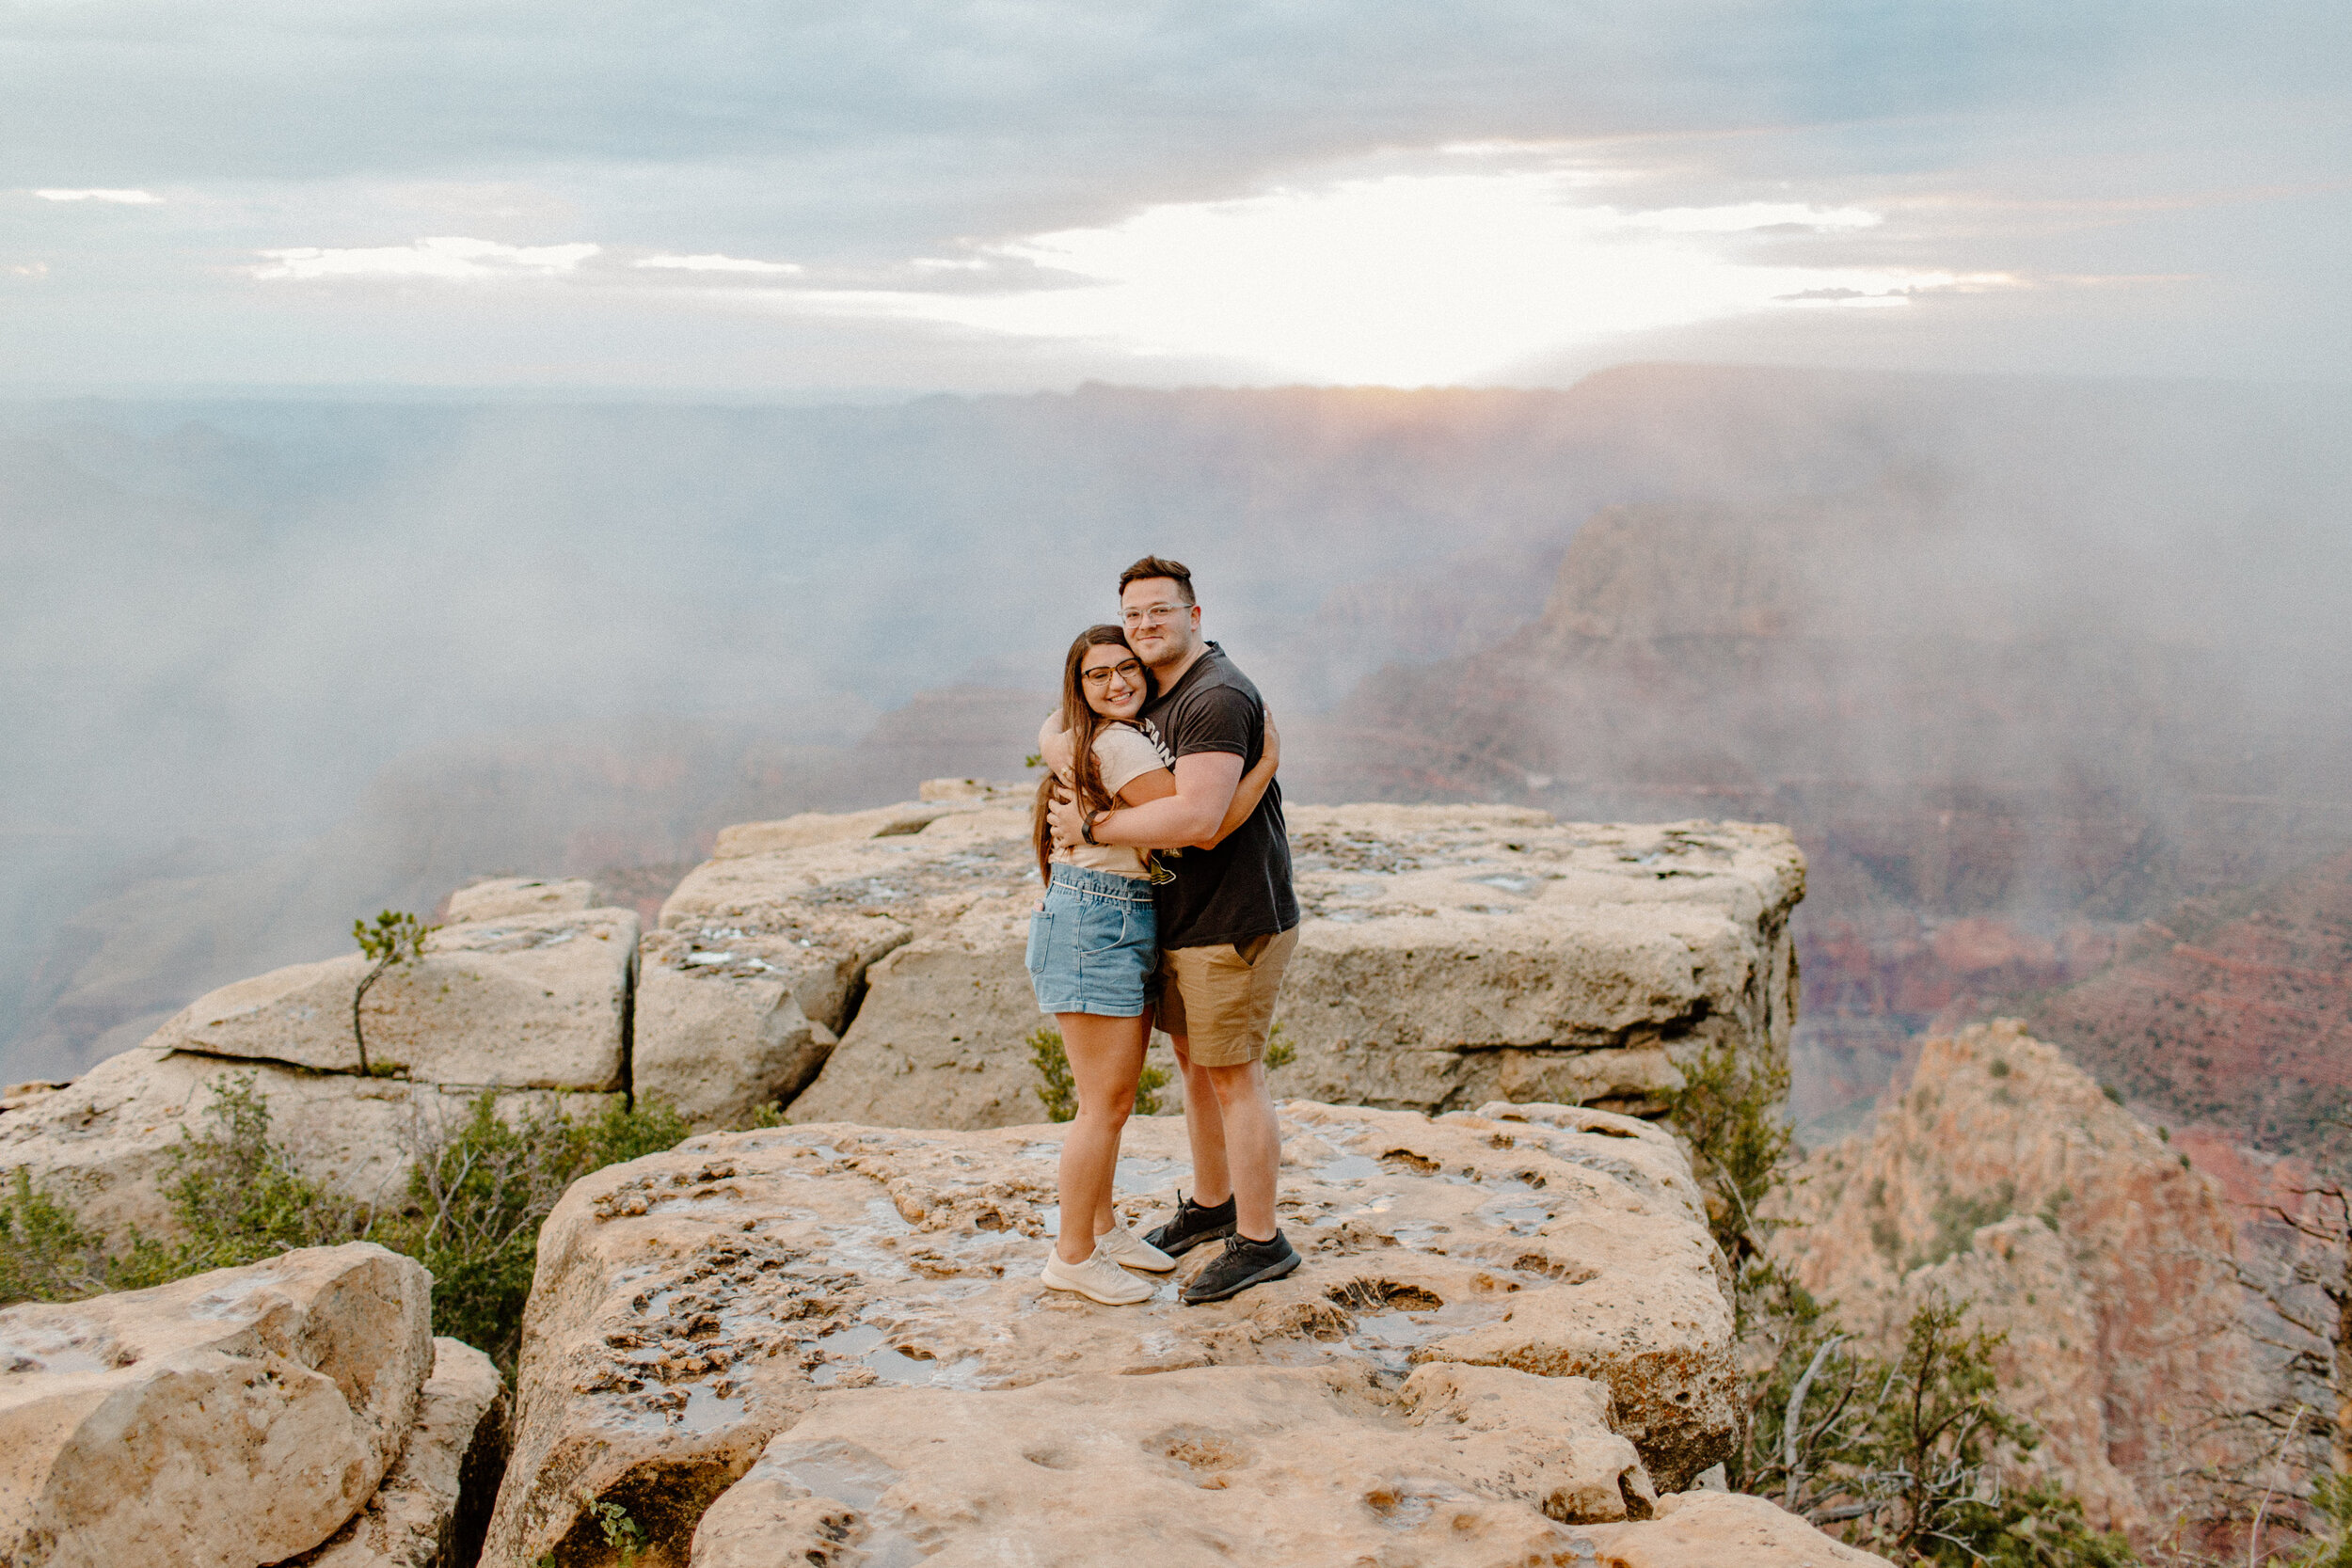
(1161, 627)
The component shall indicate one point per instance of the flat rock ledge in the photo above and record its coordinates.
(1451, 955)
(1510, 1323)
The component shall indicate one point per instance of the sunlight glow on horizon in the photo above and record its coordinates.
(1403, 280)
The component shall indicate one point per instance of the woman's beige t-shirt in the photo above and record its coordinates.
(1124, 754)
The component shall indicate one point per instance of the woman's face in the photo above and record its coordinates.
(1112, 678)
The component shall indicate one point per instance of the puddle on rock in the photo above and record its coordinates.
(1139, 1173)
(1348, 1167)
(1520, 1218)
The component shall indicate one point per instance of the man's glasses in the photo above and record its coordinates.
(1153, 614)
(1129, 669)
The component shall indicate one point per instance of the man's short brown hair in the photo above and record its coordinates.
(1156, 566)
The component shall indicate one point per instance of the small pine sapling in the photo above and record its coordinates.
(395, 939)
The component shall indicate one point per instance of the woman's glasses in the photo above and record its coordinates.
(1127, 669)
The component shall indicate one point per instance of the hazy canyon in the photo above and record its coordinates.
(2047, 677)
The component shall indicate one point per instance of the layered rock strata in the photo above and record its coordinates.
(2003, 1176)
(1516, 1313)
(1451, 955)
(230, 1418)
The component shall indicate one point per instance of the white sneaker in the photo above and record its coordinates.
(1097, 1279)
(1124, 1247)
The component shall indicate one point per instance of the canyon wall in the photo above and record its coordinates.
(2006, 1177)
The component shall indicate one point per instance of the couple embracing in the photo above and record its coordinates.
(1160, 835)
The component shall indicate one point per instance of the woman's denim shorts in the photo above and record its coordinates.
(1095, 944)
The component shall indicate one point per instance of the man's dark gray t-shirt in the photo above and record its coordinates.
(1242, 888)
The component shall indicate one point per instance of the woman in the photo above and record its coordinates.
(1094, 944)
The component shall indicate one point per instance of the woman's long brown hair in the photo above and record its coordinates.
(1083, 724)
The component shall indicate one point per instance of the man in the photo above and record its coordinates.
(1227, 923)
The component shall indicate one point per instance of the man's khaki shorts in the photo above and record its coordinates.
(1219, 1000)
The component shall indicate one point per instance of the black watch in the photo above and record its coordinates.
(1086, 828)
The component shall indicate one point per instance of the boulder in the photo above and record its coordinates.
(1721, 1529)
(432, 1506)
(505, 898)
(690, 1306)
(1462, 1465)
(736, 1011)
(102, 1144)
(225, 1420)
(536, 1000)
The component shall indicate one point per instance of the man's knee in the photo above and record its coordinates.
(1242, 1080)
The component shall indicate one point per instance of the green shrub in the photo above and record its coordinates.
(1280, 1052)
(45, 1254)
(1735, 1119)
(396, 938)
(1055, 1087)
(477, 1194)
(1058, 1091)
(237, 1194)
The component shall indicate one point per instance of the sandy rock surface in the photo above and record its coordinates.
(2005, 1176)
(102, 1144)
(1721, 1529)
(690, 1307)
(505, 898)
(430, 1508)
(1451, 955)
(535, 1000)
(232, 1418)
(1210, 1465)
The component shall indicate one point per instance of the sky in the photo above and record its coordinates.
(697, 198)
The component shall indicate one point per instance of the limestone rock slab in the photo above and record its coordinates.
(690, 1306)
(505, 898)
(102, 1144)
(1203, 1467)
(720, 1029)
(432, 1505)
(1719, 1529)
(534, 1001)
(232, 1418)
(1458, 954)
(1451, 955)
(942, 1039)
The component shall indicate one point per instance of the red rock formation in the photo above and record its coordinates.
(2006, 1175)
(2235, 1012)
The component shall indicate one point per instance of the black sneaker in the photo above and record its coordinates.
(1192, 1226)
(1242, 1264)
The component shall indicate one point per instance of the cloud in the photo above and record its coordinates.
(445, 257)
(1405, 279)
(719, 263)
(119, 197)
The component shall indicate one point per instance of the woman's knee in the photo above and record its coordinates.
(1112, 1108)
